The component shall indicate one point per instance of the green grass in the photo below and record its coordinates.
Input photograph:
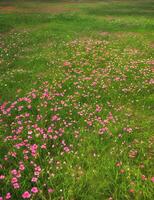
(109, 49)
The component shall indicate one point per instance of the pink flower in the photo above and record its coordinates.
(152, 179)
(29, 106)
(8, 196)
(50, 130)
(131, 191)
(66, 149)
(14, 172)
(16, 185)
(118, 164)
(90, 123)
(34, 179)
(1, 198)
(55, 118)
(36, 173)
(50, 190)
(14, 180)
(34, 147)
(102, 130)
(34, 190)
(26, 195)
(143, 177)
(122, 171)
(66, 63)
(43, 146)
(98, 108)
(21, 167)
(2, 177)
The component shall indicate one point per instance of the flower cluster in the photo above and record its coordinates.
(36, 128)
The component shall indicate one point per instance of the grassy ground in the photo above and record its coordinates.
(76, 90)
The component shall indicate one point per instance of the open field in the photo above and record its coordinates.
(76, 100)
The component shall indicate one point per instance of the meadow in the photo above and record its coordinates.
(76, 100)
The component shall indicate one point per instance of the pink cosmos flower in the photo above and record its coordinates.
(8, 196)
(50, 130)
(50, 190)
(131, 191)
(55, 118)
(98, 108)
(143, 177)
(43, 146)
(34, 179)
(34, 190)
(29, 106)
(152, 179)
(90, 123)
(21, 167)
(2, 177)
(66, 149)
(118, 164)
(26, 195)
(14, 172)
(102, 130)
(14, 180)
(36, 173)
(34, 95)
(66, 63)
(16, 185)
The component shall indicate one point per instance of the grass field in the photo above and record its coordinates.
(76, 93)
